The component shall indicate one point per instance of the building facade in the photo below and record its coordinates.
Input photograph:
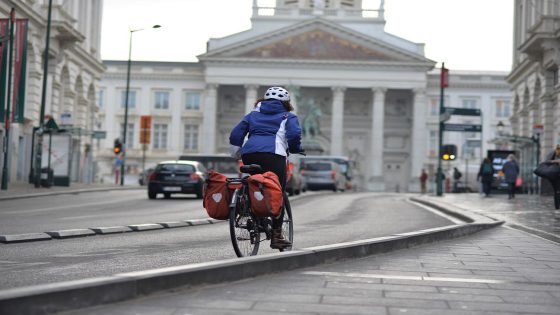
(358, 91)
(535, 119)
(75, 69)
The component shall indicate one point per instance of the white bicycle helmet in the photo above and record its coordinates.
(277, 93)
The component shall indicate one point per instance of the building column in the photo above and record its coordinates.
(209, 123)
(337, 120)
(376, 181)
(418, 138)
(547, 120)
(250, 97)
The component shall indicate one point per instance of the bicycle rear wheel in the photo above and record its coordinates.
(288, 224)
(243, 230)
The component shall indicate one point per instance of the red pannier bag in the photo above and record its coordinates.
(216, 196)
(266, 194)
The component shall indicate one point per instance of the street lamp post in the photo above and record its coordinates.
(124, 145)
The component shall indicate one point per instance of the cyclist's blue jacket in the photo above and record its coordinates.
(271, 129)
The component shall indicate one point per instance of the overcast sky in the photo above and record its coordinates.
(465, 34)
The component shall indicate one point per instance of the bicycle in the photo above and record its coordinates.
(245, 228)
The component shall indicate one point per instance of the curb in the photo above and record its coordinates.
(68, 192)
(70, 295)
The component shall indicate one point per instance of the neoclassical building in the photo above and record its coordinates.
(358, 91)
(75, 69)
(534, 77)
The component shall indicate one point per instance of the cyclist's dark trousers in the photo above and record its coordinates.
(274, 163)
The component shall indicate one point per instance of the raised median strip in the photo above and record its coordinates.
(65, 296)
(26, 237)
(173, 224)
(71, 233)
(146, 227)
(111, 229)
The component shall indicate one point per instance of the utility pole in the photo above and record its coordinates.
(41, 130)
(444, 76)
(4, 185)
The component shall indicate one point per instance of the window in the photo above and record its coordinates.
(470, 103)
(192, 100)
(131, 99)
(101, 98)
(160, 136)
(502, 109)
(191, 137)
(161, 100)
(129, 135)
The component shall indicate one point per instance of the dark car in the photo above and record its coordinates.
(177, 177)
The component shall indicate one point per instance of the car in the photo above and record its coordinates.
(295, 184)
(177, 177)
(143, 177)
(323, 175)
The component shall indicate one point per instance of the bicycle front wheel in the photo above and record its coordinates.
(243, 230)
(288, 224)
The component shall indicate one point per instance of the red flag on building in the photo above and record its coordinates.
(3, 65)
(444, 78)
(20, 67)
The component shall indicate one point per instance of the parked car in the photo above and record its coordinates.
(143, 177)
(295, 183)
(324, 175)
(177, 177)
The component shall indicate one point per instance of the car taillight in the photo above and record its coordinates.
(333, 174)
(152, 176)
(195, 176)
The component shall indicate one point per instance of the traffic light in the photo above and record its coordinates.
(117, 147)
(449, 152)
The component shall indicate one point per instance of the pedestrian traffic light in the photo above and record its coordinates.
(117, 147)
(448, 152)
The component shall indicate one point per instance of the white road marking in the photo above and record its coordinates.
(398, 277)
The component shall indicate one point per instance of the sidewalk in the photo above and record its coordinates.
(25, 190)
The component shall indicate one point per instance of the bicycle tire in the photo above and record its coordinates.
(244, 237)
(288, 224)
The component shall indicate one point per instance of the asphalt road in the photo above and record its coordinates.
(319, 220)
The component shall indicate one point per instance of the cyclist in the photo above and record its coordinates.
(274, 133)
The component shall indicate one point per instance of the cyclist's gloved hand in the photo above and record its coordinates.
(235, 151)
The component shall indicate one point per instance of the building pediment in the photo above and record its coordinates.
(316, 44)
(316, 40)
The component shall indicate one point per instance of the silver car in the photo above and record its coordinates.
(323, 175)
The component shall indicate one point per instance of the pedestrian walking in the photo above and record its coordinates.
(511, 172)
(486, 175)
(423, 181)
(550, 169)
(456, 179)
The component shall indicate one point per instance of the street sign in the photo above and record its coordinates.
(462, 127)
(98, 134)
(538, 129)
(463, 111)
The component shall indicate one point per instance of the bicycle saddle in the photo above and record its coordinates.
(251, 169)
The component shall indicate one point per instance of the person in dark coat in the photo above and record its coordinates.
(486, 175)
(511, 171)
